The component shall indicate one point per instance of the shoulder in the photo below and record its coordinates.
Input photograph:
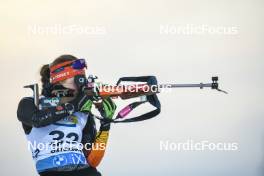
(25, 106)
(26, 101)
(24, 111)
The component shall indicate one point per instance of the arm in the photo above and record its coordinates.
(96, 153)
(29, 115)
(95, 142)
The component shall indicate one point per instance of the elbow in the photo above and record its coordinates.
(95, 157)
(37, 122)
(94, 163)
(37, 125)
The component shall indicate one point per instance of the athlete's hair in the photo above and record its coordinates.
(45, 69)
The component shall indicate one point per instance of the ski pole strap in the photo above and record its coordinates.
(152, 99)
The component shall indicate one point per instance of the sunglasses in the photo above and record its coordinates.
(76, 64)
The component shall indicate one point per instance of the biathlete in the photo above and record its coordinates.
(67, 125)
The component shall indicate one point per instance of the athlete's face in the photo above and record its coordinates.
(69, 83)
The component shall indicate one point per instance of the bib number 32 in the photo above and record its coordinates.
(60, 136)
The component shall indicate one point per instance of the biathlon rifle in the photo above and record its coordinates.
(147, 88)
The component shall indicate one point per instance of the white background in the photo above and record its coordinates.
(133, 46)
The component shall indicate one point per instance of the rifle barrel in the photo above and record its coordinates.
(201, 85)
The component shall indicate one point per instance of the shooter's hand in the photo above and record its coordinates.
(81, 102)
(107, 109)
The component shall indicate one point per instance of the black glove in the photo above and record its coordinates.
(81, 102)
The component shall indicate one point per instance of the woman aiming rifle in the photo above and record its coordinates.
(66, 126)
